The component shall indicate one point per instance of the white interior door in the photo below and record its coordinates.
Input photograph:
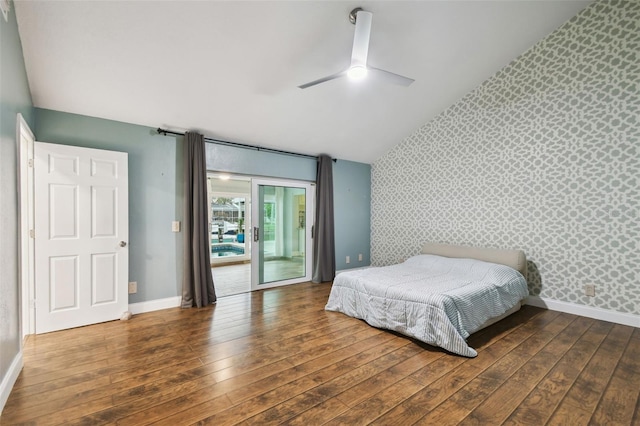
(81, 235)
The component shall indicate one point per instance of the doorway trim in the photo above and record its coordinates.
(25, 140)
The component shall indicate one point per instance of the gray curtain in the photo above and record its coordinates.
(197, 280)
(324, 250)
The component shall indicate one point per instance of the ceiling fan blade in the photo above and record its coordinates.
(323, 79)
(390, 77)
(358, 68)
(361, 38)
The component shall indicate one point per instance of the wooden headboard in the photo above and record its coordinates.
(512, 258)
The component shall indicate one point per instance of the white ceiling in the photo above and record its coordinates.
(231, 69)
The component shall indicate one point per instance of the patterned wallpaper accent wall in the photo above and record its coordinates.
(544, 156)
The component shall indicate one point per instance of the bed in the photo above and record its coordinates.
(440, 296)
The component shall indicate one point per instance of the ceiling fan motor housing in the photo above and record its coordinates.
(354, 15)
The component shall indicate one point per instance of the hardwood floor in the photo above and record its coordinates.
(276, 356)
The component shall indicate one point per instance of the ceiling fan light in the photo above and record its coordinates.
(357, 72)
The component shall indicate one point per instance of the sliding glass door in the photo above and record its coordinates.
(282, 213)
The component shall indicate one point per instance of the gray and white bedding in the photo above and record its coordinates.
(435, 299)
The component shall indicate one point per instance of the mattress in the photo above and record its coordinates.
(435, 299)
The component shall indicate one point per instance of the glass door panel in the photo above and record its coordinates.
(229, 201)
(281, 250)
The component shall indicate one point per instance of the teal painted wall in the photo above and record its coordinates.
(352, 206)
(155, 192)
(15, 98)
(224, 158)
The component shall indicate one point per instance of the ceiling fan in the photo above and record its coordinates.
(359, 68)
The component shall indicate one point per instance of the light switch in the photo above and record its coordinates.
(175, 226)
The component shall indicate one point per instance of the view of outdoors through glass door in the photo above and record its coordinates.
(229, 223)
(259, 244)
(281, 250)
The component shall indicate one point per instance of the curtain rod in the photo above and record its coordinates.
(243, 145)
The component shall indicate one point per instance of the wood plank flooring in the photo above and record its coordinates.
(276, 357)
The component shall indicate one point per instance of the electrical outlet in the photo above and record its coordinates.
(133, 287)
(175, 226)
(590, 290)
(348, 259)
(360, 257)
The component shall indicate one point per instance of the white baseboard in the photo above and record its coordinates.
(155, 305)
(9, 379)
(585, 311)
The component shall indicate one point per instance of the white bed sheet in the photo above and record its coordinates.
(435, 299)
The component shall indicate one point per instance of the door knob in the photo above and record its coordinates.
(123, 243)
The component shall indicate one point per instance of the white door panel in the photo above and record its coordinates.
(282, 216)
(81, 229)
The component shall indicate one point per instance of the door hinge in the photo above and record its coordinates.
(32, 233)
(30, 162)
